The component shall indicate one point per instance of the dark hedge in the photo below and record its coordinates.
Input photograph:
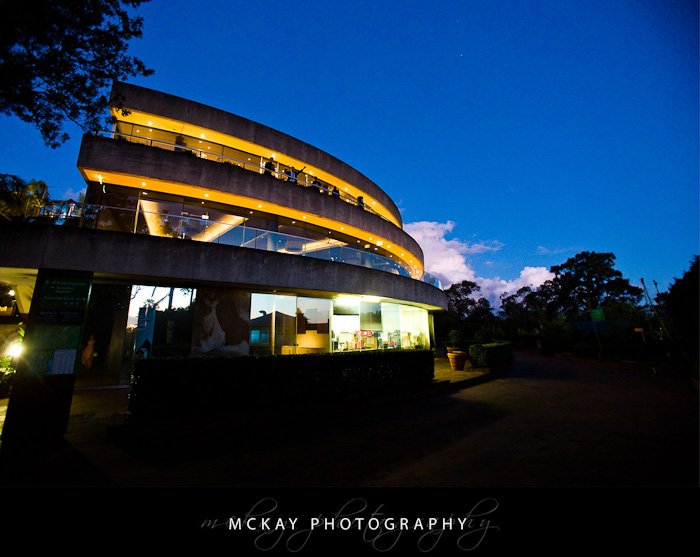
(493, 354)
(187, 386)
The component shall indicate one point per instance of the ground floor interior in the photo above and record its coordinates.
(126, 321)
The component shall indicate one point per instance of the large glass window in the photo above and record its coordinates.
(346, 323)
(313, 325)
(391, 325)
(273, 324)
(415, 331)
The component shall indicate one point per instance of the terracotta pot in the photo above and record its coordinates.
(450, 349)
(457, 360)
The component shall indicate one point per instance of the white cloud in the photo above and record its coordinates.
(447, 259)
(541, 250)
(70, 193)
(494, 288)
(443, 258)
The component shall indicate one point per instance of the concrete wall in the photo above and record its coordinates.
(135, 257)
(140, 160)
(155, 102)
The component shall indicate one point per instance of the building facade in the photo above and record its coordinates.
(264, 244)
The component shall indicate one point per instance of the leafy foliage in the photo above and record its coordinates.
(21, 199)
(681, 305)
(587, 281)
(58, 57)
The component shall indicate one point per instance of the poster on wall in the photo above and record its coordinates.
(58, 317)
(221, 322)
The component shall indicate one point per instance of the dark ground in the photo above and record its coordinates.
(543, 423)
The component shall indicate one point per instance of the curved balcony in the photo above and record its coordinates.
(142, 168)
(152, 109)
(229, 231)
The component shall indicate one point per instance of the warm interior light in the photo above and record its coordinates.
(240, 201)
(14, 350)
(137, 117)
(11, 292)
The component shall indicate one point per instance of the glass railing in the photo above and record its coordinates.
(201, 148)
(228, 230)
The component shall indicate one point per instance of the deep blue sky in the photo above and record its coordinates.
(541, 128)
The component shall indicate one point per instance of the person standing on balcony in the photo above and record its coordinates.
(292, 174)
(270, 168)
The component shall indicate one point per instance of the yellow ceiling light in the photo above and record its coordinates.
(226, 198)
(168, 124)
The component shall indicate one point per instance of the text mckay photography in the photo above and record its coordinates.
(267, 525)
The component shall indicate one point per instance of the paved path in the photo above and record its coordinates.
(544, 422)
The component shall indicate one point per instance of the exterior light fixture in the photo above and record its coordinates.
(366, 246)
(14, 350)
(144, 193)
(259, 206)
(137, 131)
(380, 243)
(205, 216)
(143, 183)
(150, 123)
(251, 212)
(304, 217)
(201, 135)
(11, 292)
(206, 195)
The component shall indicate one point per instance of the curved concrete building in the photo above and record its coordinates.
(279, 247)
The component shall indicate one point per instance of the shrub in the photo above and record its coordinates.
(493, 354)
(168, 387)
(7, 374)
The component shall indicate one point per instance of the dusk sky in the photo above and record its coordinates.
(511, 134)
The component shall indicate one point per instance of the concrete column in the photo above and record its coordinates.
(40, 401)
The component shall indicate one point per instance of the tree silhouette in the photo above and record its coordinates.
(459, 298)
(21, 199)
(681, 304)
(58, 57)
(588, 281)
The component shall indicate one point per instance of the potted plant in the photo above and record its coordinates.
(457, 360)
(456, 338)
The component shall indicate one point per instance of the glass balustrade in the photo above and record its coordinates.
(228, 230)
(172, 141)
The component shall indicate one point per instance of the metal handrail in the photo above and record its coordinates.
(88, 215)
(202, 153)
